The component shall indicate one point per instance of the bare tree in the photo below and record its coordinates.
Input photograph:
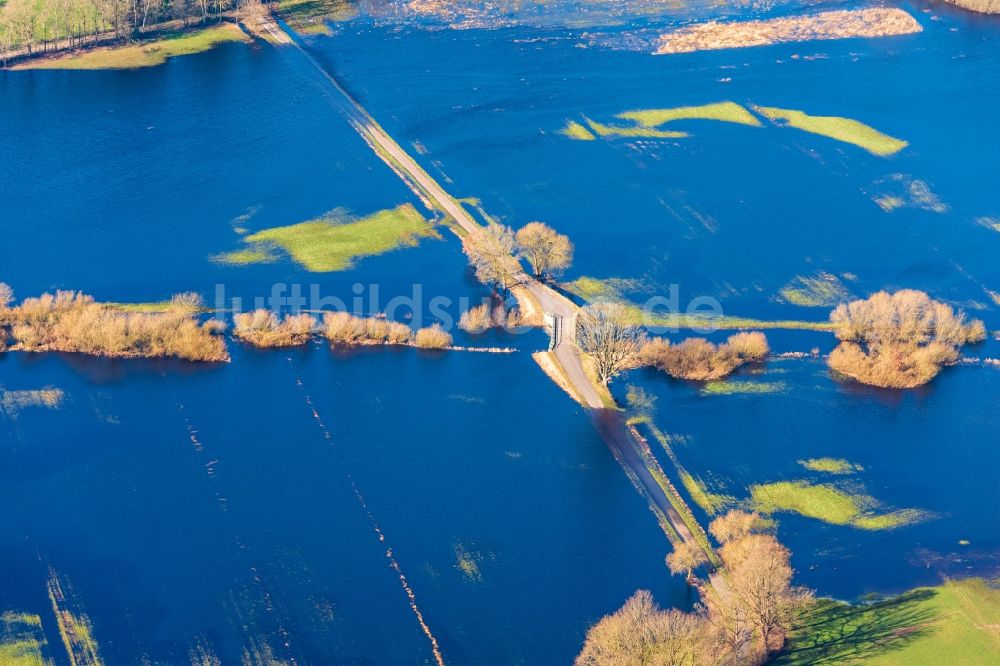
(547, 252)
(491, 255)
(21, 18)
(6, 295)
(641, 633)
(734, 525)
(760, 577)
(730, 628)
(604, 332)
(685, 558)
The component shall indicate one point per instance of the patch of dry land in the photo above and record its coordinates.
(841, 24)
(981, 6)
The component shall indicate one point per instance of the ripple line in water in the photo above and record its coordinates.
(393, 564)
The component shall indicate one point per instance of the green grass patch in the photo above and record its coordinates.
(834, 127)
(820, 290)
(632, 132)
(683, 321)
(592, 289)
(711, 503)
(989, 222)
(736, 387)
(309, 17)
(22, 641)
(155, 306)
(831, 465)
(955, 623)
(335, 241)
(575, 130)
(729, 112)
(149, 54)
(888, 202)
(245, 257)
(829, 504)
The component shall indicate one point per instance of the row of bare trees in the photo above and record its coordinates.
(40, 25)
(496, 251)
(742, 619)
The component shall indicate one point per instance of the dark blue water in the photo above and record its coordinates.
(212, 506)
(732, 212)
(735, 213)
(930, 449)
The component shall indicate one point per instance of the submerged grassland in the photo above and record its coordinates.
(729, 112)
(592, 289)
(149, 54)
(955, 623)
(820, 290)
(75, 627)
(13, 402)
(829, 504)
(649, 124)
(847, 130)
(831, 465)
(22, 640)
(737, 387)
(336, 240)
(309, 17)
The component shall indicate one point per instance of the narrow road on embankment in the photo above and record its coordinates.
(610, 423)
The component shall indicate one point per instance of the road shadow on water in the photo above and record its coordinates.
(834, 632)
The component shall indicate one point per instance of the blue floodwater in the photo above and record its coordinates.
(250, 536)
(731, 212)
(209, 506)
(212, 506)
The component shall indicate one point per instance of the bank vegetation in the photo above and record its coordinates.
(981, 6)
(70, 321)
(263, 328)
(701, 360)
(745, 619)
(899, 340)
(838, 24)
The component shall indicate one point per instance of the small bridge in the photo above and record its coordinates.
(554, 324)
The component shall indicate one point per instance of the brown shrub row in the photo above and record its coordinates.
(699, 359)
(73, 322)
(481, 318)
(345, 328)
(262, 328)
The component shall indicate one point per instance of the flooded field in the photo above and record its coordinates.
(400, 506)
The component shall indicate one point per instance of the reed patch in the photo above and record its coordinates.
(13, 403)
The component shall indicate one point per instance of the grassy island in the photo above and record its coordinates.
(335, 240)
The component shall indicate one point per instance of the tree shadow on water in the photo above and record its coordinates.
(834, 632)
